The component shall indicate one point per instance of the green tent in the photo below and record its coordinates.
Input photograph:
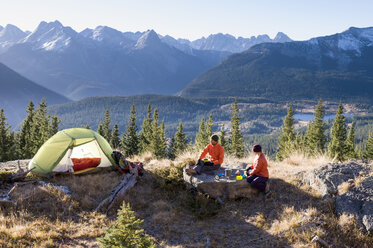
(72, 150)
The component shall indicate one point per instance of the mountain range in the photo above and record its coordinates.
(104, 61)
(335, 67)
(17, 91)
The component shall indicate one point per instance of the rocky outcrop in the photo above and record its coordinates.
(221, 188)
(357, 199)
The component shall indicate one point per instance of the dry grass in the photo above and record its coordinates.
(176, 217)
(47, 217)
(297, 163)
(344, 187)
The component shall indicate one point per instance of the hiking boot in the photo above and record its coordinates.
(190, 172)
(267, 193)
(267, 187)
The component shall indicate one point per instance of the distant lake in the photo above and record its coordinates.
(310, 117)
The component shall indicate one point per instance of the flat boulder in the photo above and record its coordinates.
(357, 199)
(221, 187)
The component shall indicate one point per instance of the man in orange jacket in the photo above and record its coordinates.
(216, 152)
(257, 174)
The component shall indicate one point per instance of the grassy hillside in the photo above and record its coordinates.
(175, 217)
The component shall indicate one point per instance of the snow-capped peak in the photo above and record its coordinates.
(281, 37)
(51, 36)
(11, 33)
(150, 37)
(355, 38)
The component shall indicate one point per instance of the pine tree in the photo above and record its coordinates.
(163, 144)
(87, 126)
(106, 128)
(350, 143)
(180, 140)
(209, 126)
(12, 150)
(40, 131)
(6, 139)
(201, 136)
(223, 141)
(126, 232)
(368, 153)
(130, 138)
(100, 129)
(115, 139)
(171, 150)
(287, 137)
(158, 141)
(145, 135)
(24, 137)
(237, 148)
(54, 124)
(315, 135)
(299, 143)
(337, 145)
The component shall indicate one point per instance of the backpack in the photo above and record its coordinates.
(123, 166)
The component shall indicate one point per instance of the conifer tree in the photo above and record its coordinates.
(299, 143)
(237, 148)
(315, 135)
(6, 139)
(287, 137)
(145, 135)
(337, 145)
(54, 124)
(40, 131)
(131, 140)
(368, 153)
(87, 126)
(163, 144)
(157, 143)
(100, 129)
(223, 141)
(201, 136)
(350, 143)
(115, 139)
(106, 128)
(13, 153)
(171, 150)
(24, 137)
(126, 232)
(209, 126)
(180, 140)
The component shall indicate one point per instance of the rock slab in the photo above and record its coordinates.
(358, 200)
(223, 188)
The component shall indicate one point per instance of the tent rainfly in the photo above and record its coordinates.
(72, 150)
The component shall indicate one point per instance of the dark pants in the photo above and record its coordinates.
(258, 182)
(203, 167)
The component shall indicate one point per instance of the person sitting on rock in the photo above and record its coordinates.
(216, 152)
(257, 174)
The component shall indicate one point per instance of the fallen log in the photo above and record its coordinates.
(118, 193)
(319, 240)
(7, 203)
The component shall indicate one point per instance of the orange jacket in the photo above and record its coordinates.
(260, 166)
(216, 153)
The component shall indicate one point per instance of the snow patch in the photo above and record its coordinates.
(367, 34)
(56, 44)
(349, 43)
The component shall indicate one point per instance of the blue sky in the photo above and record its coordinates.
(193, 19)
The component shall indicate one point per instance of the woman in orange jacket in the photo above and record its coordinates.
(257, 174)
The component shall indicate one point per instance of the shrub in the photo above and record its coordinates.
(126, 232)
